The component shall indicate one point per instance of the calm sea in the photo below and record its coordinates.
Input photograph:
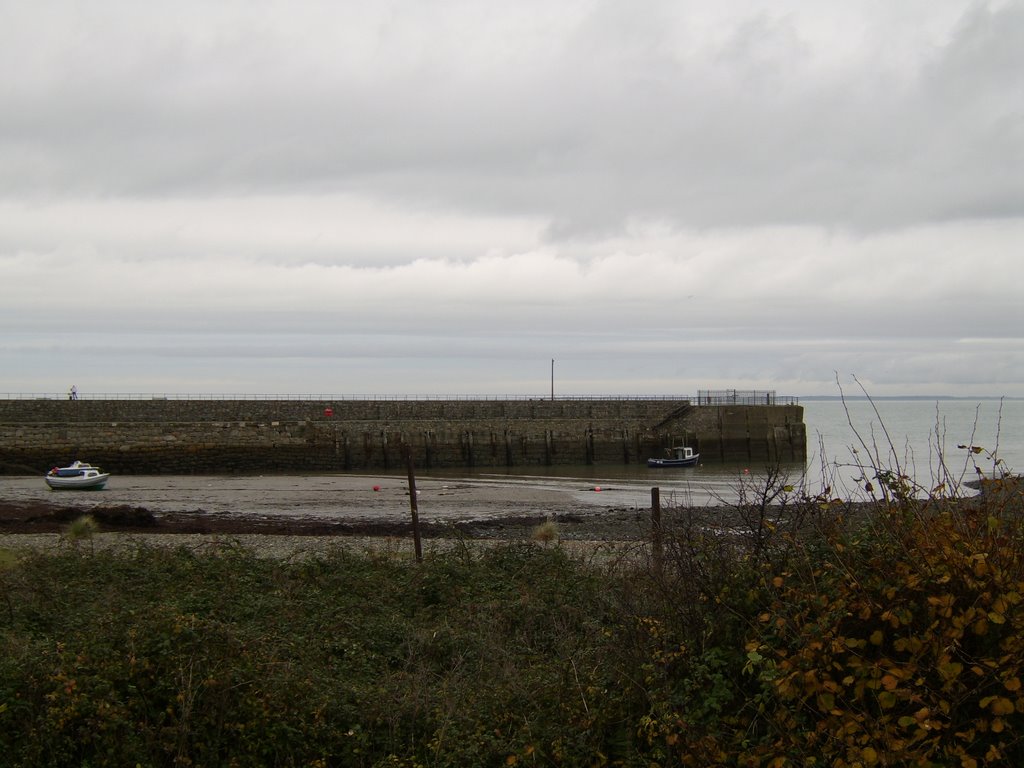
(918, 437)
(921, 437)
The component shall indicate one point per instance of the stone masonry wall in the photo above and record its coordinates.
(216, 436)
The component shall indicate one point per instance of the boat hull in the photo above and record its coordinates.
(93, 482)
(669, 463)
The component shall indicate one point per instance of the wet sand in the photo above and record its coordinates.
(329, 497)
(330, 505)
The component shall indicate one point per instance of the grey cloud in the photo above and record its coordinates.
(616, 118)
(736, 192)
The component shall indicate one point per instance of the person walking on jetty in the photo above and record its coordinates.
(73, 393)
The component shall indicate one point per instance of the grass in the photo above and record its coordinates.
(168, 657)
(8, 558)
(82, 529)
(545, 533)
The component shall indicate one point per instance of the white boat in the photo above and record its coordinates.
(78, 475)
(680, 456)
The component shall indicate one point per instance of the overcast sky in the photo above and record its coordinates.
(407, 197)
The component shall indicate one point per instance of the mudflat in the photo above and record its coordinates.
(333, 505)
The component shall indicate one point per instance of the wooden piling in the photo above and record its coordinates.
(657, 551)
(414, 507)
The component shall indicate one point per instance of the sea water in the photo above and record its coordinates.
(929, 441)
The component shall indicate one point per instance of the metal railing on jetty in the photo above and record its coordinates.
(743, 397)
(704, 397)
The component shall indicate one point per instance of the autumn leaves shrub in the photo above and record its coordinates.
(905, 646)
(889, 633)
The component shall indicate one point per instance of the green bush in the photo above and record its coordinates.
(178, 658)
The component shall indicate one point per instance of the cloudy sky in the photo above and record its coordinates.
(407, 197)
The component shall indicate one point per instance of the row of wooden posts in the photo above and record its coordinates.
(657, 552)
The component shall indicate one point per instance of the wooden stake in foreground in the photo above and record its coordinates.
(413, 505)
(656, 529)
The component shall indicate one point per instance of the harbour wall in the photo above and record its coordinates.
(170, 436)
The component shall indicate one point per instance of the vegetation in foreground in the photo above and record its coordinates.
(799, 634)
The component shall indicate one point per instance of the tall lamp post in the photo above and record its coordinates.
(552, 379)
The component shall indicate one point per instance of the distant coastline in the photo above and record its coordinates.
(879, 398)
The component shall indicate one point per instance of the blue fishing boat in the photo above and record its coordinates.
(680, 456)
